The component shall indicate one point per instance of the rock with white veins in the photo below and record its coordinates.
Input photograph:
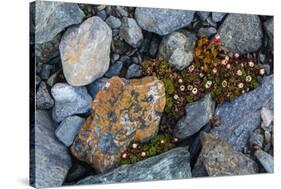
(85, 51)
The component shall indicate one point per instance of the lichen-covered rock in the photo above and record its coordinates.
(241, 33)
(131, 32)
(220, 159)
(174, 164)
(85, 51)
(198, 114)
(52, 17)
(69, 100)
(266, 160)
(241, 116)
(50, 158)
(162, 21)
(123, 111)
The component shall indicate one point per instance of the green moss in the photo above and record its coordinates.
(169, 104)
(169, 86)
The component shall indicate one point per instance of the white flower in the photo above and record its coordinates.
(175, 139)
(201, 75)
(239, 72)
(228, 66)
(208, 84)
(236, 55)
(242, 65)
(217, 37)
(243, 91)
(191, 68)
(248, 78)
(251, 64)
(224, 62)
(240, 85)
(194, 91)
(135, 145)
(226, 58)
(143, 154)
(162, 141)
(224, 83)
(182, 87)
(124, 155)
(214, 70)
(176, 97)
(189, 87)
(180, 80)
(262, 71)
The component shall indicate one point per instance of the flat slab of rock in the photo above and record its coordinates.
(162, 21)
(240, 117)
(266, 160)
(69, 100)
(123, 111)
(220, 159)
(241, 33)
(51, 158)
(52, 17)
(197, 115)
(85, 51)
(173, 164)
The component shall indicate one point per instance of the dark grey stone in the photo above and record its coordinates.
(256, 139)
(44, 100)
(241, 33)
(95, 86)
(268, 25)
(53, 17)
(131, 32)
(69, 100)
(162, 21)
(113, 22)
(173, 164)
(208, 32)
(153, 48)
(114, 69)
(46, 71)
(133, 71)
(217, 16)
(266, 160)
(37, 80)
(197, 115)
(122, 11)
(52, 160)
(53, 78)
(240, 117)
(102, 14)
(203, 15)
(68, 129)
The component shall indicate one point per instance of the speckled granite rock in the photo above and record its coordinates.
(123, 111)
(173, 164)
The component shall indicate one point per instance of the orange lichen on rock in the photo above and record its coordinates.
(123, 111)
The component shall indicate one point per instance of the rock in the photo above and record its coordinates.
(122, 11)
(52, 17)
(266, 160)
(256, 139)
(77, 172)
(241, 116)
(173, 164)
(241, 33)
(68, 129)
(220, 159)
(51, 158)
(54, 78)
(203, 15)
(46, 71)
(133, 71)
(43, 99)
(120, 46)
(113, 22)
(197, 115)
(85, 51)
(94, 87)
(217, 16)
(69, 100)
(114, 69)
(266, 116)
(153, 48)
(102, 14)
(162, 21)
(268, 25)
(208, 32)
(177, 49)
(123, 111)
(131, 32)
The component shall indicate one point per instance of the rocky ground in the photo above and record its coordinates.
(135, 94)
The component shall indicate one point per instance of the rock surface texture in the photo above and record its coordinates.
(123, 111)
(51, 160)
(85, 51)
(52, 17)
(131, 32)
(173, 164)
(162, 21)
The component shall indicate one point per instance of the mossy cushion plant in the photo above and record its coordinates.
(224, 74)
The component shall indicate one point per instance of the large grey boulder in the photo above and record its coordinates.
(85, 51)
(52, 17)
(240, 117)
(51, 160)
(173, 164)
(241, 33)
(197, 115)
(162, 21)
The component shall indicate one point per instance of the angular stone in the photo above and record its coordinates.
(131, 32)
(220, 159)
(241, 33)
(266, 160)
(113, 22)
(94, 87)
(134, 70)
(162, 21)
(123, 111)
(240, 117)
(85, 51)
(114, 69)
(266, 116)
(208, 32)
(51, 160)
(217, 16)
(198, 114)
(173, 164)
(52, 17)
(43, 98)
(256, 139)
(69, 100)
(203, 15)
(68, 129)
